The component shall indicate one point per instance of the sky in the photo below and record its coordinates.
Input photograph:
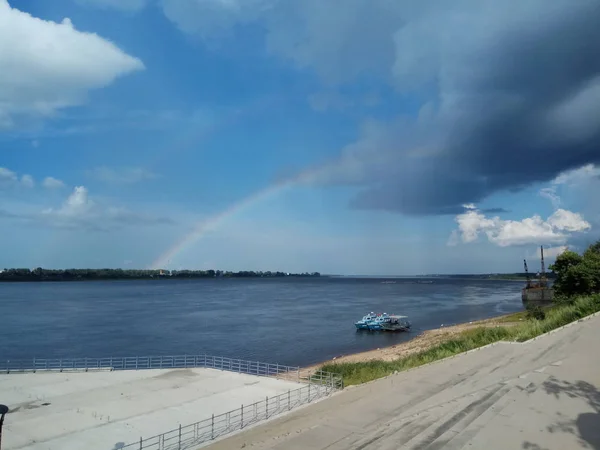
(376, 138)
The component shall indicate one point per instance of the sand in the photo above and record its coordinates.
(421, 342)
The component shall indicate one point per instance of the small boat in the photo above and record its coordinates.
(375, 325)
(363, 324)
(396, 323)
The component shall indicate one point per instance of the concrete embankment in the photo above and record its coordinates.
(544, 394)
(105, 410)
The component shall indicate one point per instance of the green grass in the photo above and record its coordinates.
(557, 316)
(512, 318)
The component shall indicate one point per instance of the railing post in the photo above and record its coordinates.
(308, 393)
(242, 417)
(141, 443)
(289, 400)
(267, 409)
(179, 444)
(212, 427)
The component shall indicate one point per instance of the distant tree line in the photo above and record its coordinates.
(40, 274)
(578, 274)
(495, 276)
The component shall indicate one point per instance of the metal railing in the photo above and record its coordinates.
(147, 362)
(320, 384)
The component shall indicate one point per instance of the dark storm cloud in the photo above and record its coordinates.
(514, 107)
(510, 89)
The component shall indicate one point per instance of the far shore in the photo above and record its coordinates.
(421, 342)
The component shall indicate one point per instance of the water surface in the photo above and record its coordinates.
(290, 321)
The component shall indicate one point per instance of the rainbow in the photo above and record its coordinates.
(213, 222)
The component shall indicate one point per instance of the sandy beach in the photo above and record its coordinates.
(422, 341)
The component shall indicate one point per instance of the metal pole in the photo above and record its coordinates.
(242, 421)
(289, 401)
(179, 446)
(3, 411)
(140, 443)
(212, 428)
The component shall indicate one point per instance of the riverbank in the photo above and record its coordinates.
(441, 343)
(422, 341)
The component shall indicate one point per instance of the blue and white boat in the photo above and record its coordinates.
(377, 323)
(383, 322)
(363, 324)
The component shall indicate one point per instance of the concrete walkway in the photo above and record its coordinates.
(542, 395)
(105, 410)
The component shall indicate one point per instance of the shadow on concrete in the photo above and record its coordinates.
(531, 446)
(118, 446)
(586, 426)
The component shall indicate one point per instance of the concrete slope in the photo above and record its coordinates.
(541, 395)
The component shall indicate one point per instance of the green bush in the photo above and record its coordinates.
(535, 312)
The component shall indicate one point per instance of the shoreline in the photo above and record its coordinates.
(421, 342)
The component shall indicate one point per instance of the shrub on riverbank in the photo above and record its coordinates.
(562, 314)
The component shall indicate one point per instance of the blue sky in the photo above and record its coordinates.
(382, 138)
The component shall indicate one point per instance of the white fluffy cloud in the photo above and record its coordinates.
(122, 175)
(549, 252)
(52, 183)
(80, 211)
(556, 229)
(47, 65)
(570, 179)
(9, 179)
(77, 205)
(577, 176)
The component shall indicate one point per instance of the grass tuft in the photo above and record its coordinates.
(555, 317)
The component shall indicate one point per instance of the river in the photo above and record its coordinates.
(288, 321)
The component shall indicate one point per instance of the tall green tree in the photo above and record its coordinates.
(577, 274)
